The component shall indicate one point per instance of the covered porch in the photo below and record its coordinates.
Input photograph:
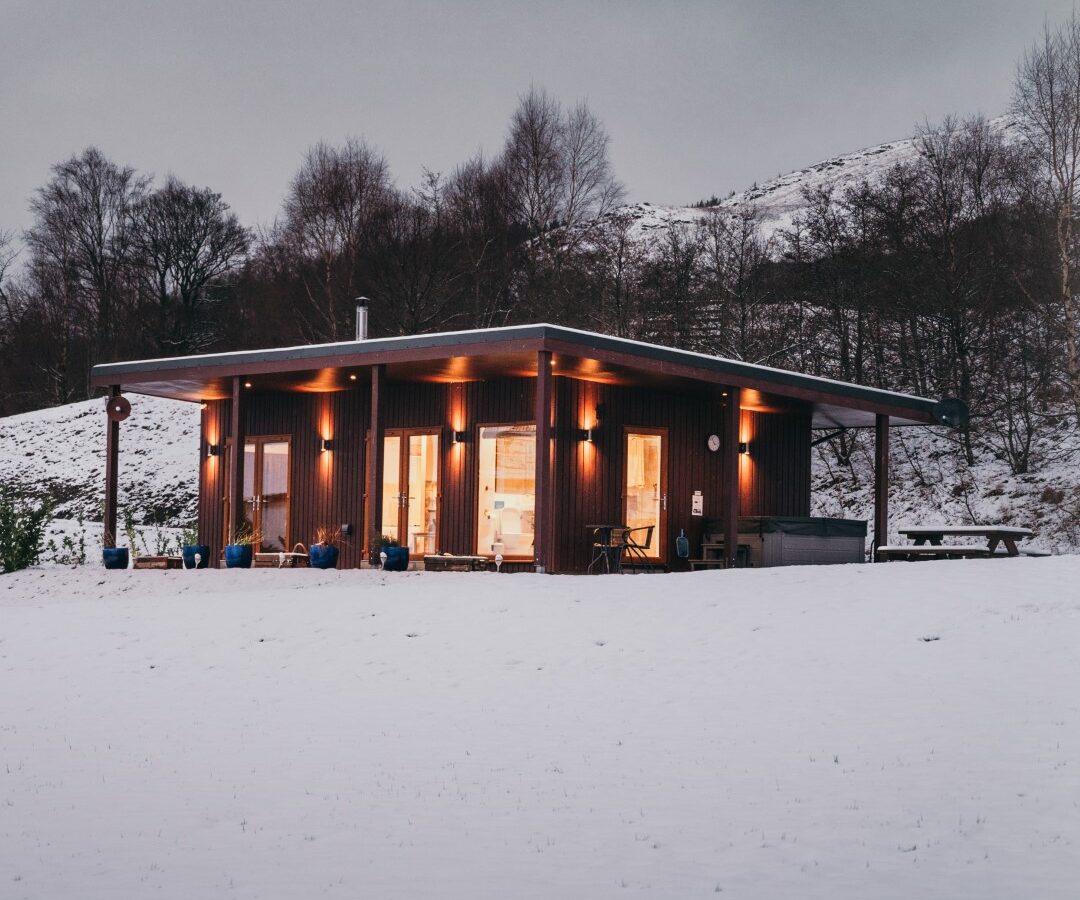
(505, 442)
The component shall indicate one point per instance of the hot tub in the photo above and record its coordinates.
(801, 541)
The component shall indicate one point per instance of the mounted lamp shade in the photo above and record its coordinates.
(325, 444)
(744, 447)
(458, 437)
(212, 450)
(117, 408)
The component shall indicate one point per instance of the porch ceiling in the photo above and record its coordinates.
(511, 352)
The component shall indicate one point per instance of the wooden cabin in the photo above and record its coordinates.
(510, 441)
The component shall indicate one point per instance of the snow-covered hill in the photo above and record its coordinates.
(59, 453)
(779, 200)
(907, 731)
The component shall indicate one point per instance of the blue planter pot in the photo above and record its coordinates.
(238, 556)
(189, 553)
(323, 556)
(397, 559)
(115, 557)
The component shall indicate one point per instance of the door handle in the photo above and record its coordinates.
(663, 502)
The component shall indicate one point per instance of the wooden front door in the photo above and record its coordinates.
(410, 499)
(645, 487)
(267, 490)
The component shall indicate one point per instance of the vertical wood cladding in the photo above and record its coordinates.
(328, 488)
(774, 476)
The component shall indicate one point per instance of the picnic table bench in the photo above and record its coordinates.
(928, 542)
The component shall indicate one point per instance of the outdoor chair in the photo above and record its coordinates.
(638, 541)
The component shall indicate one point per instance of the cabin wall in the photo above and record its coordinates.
(774, 475)
(587, 486)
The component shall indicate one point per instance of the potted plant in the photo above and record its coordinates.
(196, 555)
(240, 551)
(323, 553)
(378, 544)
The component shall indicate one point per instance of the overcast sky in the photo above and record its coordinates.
(699, 97)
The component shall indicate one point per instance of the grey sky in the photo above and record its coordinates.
(699, 97)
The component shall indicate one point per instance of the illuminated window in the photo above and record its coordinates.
(506, 498)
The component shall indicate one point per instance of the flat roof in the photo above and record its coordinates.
(481, 354)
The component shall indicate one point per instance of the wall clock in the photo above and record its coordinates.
(714, 442)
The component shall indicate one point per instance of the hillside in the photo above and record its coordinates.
(910, 731)
(780, 199)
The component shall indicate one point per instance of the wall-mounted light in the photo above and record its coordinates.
(325, 444)
(212, 450)
(585, 434)
(247, 384)
(352, 377)
(744, 447)
(458, 437)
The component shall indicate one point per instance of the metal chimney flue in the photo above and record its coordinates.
(361, 318)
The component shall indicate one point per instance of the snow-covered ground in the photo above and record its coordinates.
(61, 452)
(892, 731)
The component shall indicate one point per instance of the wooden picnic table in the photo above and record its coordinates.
(994, 534)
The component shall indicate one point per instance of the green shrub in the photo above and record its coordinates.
(22, 527)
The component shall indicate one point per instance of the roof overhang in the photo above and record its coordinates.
(463, 356)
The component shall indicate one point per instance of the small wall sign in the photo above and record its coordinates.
(697, 504)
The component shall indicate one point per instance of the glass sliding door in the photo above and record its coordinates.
(506, 495)
(410, 504)
(645, 487)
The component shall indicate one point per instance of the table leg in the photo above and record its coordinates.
(1010, 547)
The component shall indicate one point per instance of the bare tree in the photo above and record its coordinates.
(83, 230)
(186, 239)
(558, 170)
(331, 209)
(1047, 102)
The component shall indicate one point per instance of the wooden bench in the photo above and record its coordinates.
(279, 560)
(931, 551)
(158, 562)
(712, 556)
(444, 563)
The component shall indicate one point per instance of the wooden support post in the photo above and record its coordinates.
(236, 459)
(731, 476)
(112, 480)
(881, 483)
(373, 493)
(542, 518)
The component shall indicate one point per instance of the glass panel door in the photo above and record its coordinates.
(422, 499)
(506, 495)
(391, 487)
(251, 494)
(266, 491)
(645, 493)
(274, 495)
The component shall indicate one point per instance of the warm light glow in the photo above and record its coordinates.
(352, 377)
(247, 384)
(203, 405)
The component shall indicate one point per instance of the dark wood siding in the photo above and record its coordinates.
(774, 476)
(327, 488)
(589, 476)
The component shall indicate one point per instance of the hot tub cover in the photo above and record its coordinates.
(806, 525)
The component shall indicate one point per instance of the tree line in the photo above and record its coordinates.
(950, 275)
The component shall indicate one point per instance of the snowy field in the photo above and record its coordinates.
(891, 731)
